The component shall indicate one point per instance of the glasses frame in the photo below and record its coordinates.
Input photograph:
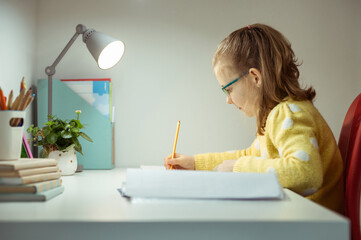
(224, 89)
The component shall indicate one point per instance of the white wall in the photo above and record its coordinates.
(166, 72)
(17, 46)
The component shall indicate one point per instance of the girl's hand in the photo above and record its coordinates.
(180, 161)
(226, 166)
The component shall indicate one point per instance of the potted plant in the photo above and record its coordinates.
(59, 140)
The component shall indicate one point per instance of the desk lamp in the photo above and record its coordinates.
(106, 51)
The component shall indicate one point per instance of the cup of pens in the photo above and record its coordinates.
(11, 135)
(12, 116)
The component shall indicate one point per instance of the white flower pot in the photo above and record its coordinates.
(67, 161)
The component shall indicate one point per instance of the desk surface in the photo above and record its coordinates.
(92, 208)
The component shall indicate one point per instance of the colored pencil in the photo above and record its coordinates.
(10, 100)
(22, 84)
(175, 142)
(20, 103)
(24, 102)
(3, 101)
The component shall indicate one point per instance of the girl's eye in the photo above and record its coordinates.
(229, 90)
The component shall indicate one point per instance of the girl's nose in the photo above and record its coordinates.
(229, 100)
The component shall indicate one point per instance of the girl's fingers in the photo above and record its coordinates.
(168, 162)
(174, 161)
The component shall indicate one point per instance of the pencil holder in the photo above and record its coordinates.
(11, 136)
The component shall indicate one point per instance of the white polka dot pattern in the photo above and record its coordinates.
(287, 123)
(280, 152)
(309, 192)
(264, 153)
(294, 108)
(314, 142)
(231, 151)
(302, 155)
(272, 114)
(257, 144)
(271, 170)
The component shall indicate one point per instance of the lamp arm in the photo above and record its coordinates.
(50, 70)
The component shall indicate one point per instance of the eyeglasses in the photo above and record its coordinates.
(235, 80)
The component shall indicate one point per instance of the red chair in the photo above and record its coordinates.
(350, 147)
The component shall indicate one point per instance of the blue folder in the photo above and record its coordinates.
(98, 154)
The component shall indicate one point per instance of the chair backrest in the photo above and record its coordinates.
(350, 147)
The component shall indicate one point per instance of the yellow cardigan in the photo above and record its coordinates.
(299, 146)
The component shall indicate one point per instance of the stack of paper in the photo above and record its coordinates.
(147, 183)
(29, 180)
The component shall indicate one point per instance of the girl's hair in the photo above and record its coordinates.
(264, 48)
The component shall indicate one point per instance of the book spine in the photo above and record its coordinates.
(44, 186)
(30, 179)
(28, 172)
(53, 193)
(40, 177)
(26, 197)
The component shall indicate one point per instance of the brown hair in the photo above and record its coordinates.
(264, 48)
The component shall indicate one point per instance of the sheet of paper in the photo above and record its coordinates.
(94, 91)
(150, 183)
(152, 167)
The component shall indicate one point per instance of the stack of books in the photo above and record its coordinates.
(30, 180)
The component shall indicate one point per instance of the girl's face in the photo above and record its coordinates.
(245, 93)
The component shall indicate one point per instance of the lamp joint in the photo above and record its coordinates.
(80, 29)
(50, 70)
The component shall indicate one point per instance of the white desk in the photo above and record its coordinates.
(92, 208)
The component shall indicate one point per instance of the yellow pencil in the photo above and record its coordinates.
(175, 142)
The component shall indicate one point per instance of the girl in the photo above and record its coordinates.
(258, 71)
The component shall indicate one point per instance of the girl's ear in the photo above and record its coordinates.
(256, 76)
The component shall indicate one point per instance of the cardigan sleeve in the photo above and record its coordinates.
(209, 161)
(295, 156)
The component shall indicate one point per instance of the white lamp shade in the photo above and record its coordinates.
(106, 50)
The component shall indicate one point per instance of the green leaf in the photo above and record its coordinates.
(46, 131)
(75, 129)
(43, 154)
(69, 147)
(86, 137)
(60, 147)
(79, 149)
(51, 138)
(65, 134)
(79, 125)
(77, 146)
(30, 129)
(76, 142)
